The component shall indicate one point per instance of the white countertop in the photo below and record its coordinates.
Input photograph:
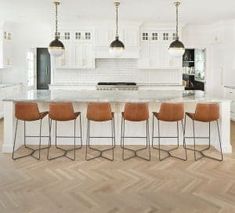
(8, 85)
(95, 84)
(113, 96)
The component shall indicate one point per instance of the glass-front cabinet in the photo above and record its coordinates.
(194, 68)
(200, 64)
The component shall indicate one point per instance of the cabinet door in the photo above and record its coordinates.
(84, 56)
(155, 55)
(88, 56)
(131, 37)
(144, 60)
(102, 37)
(7, 53)
(79, 56)
(66, 60)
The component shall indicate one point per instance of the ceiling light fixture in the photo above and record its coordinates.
(56, 47)
(117, 47)
(177, 47)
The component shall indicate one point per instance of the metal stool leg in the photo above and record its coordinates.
(27, 147)
(201, 152)
(66, 151)
(168, 152)
(101, 152)
(147, 145)
(184, 142)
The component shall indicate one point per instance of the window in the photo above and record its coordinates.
(58, 35)
(67, 36)
(87, 36)
(78, 35)
(174, 36)
(165, 36)
(5, 35)
(145, 36)
(154, 36)
(31, 69)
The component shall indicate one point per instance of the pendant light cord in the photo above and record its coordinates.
(177, 19)
(56, 19)
(117, 5)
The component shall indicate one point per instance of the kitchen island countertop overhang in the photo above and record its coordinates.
(81, 98)
(114, 96)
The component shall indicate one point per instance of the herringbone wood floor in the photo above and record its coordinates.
(135, 186)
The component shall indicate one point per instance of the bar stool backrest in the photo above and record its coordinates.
(99, 112)
(136, 112)
(171, 112)
(27, 111)
(61, 111)
(207, 112)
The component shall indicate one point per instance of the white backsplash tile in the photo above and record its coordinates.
(118, 70)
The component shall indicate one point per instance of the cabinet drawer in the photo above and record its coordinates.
(230, 93)
(233, 106)
(232, 116)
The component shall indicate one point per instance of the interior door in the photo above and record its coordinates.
(43, 68)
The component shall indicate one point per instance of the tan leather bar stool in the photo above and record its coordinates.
(169, 112)
(28, 112)
(62, 112)
(100, 112)
(135, 112)
(206, 113)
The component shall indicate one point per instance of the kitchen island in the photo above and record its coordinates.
(81, 98)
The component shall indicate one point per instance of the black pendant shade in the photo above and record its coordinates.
(56, 44)
(177, 44)
(117, 44)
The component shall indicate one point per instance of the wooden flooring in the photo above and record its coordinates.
(134, 186)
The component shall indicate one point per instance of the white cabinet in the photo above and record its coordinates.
(7, 90)
(5, 49)
(154, 50)
(84, 56)
(229, 93)
(128, 35)
(79, 50)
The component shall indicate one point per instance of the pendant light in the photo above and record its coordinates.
(117, 47)
(56, 47)
(177, 47)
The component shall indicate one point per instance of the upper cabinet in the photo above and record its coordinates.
(154, 44)
(128, 35)
(79, 50)
(5, 48)
(149, 45)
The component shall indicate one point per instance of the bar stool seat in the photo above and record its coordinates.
(28, 112)
(100, 112)
(135, 112)
(62, 112)
(169, 112)
(207, 113)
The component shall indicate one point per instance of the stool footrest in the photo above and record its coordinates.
(169, 153)
(65, 153)
(31, 154)
(203, 155)
(101, 153)
(135, 151)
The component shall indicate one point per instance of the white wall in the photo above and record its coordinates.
(219, 41)
(24, 37)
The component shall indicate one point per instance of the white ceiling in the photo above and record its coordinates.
(191, 11)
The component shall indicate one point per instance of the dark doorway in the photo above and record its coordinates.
(43, 68)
